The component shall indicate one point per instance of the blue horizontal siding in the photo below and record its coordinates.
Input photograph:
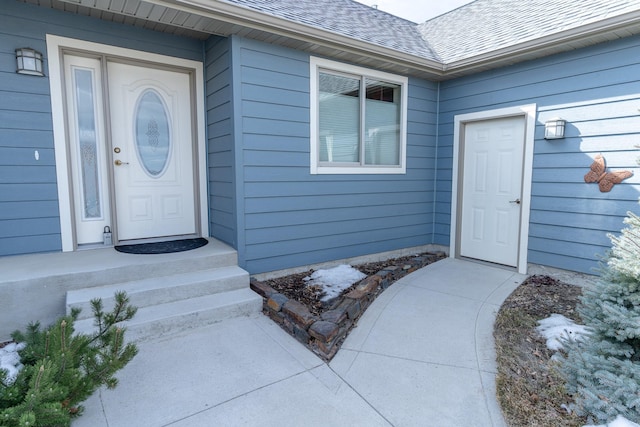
(588, 266)
(27, 192)
(29, 227)
(586, 192)
(31, 138)
(583, 254)
(221, 144)
(287, 143)
(328, 241)
(27, 174)
(589, 144)
(586, 206)
(576, 222)
(25, 120)
(575, 162)
(26, 156)
(29, 102)
(597, 90)
(562, 233)
(29, 213)
(334, 201)
(335, 249)
(13, 84)
(27, 244)
(320, 215)
(332, 187)
(293, 218)
(28, 209)
(339, 227)
(569, 67)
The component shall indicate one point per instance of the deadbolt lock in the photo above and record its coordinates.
(116, 150)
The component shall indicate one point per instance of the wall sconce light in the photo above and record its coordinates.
(554, 128)
(29, 61)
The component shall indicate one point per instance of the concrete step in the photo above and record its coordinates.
(100, 267)
(164, 319)
(160, 290)
(49, 284)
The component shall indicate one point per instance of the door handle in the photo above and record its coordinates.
(119, 162)
(516, 201)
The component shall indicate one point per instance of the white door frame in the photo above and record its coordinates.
(55, 47)
(528, 112)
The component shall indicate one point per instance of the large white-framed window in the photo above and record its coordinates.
(358, 119)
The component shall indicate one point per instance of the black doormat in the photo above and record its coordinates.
(163, 247)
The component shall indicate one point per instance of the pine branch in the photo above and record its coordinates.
(62, 369)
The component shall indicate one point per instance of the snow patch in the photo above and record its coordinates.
(10, 360)
(557, 328)
(334, 280)
(620, 421)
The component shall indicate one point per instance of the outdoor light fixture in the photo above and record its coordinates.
(554, 128)
(29, 62)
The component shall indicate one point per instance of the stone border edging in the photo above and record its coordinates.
(325, 333)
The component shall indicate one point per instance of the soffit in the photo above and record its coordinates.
(200, 20)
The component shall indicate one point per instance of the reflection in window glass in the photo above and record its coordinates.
(382, 123)
(339, 122)
(341, 112)
(87, 142)
(153, 139)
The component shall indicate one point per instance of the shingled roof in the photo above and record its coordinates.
(481, 35)
(349, 18)
(479, 27)
(489, 25)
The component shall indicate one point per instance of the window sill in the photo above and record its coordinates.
(359, 170)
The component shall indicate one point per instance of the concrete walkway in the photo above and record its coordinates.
(421, 355)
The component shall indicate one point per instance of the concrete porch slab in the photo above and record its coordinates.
(421, 355)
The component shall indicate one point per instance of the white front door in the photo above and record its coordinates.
(493, 155)
(151, 151)
(132, 166)
(102, 98)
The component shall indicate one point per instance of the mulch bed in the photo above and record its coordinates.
(323, 326)
(294, 287)
(530, 390)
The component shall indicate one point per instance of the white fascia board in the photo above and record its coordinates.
(437, 70)
(246, 17)
(557, 40)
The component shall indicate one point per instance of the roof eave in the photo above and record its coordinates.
(539, 47)
(257, 20)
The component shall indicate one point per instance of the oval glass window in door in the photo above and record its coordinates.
(153, 135)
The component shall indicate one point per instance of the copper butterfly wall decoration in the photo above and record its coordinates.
(606, 180)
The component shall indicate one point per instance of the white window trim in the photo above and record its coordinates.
(316, 65)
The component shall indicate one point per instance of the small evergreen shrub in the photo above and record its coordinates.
(62, 369)
(603, 371)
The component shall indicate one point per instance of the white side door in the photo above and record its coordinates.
(492, 189)
(152, 151)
